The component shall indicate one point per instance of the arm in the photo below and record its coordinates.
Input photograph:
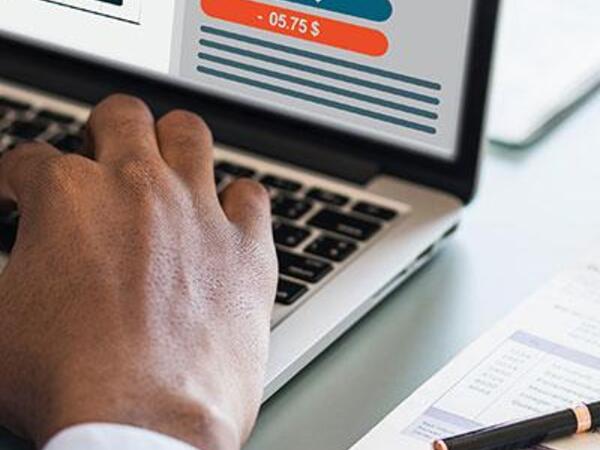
(134, 295)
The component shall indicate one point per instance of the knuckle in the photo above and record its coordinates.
(123, 101)
(133, 168)
(51, 169)
(186, 120)
(252, 192)
(183, 117)
(139, 175)
(110, 111)
(127, 127)
(189, 142)
(59, 174)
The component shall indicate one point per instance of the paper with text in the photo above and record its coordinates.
(544, 357)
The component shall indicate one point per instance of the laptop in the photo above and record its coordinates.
(364, 119)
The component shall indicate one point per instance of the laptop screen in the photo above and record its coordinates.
(390, 70)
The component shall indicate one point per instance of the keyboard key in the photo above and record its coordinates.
(53, 116)
(280, 183)
(26, 130)
(235, 170)
(345, 225)
(330, 248)
(375, 211)
(11, 143)
(303, 268)
(289, 292)
(8, 231)
(290, 208)
(327, 197)
(4, 143)
(289, 235)
(68, 143)
(219, 178)
(13, 104)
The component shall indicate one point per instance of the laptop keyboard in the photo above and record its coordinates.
(316, 230)
(19, 122)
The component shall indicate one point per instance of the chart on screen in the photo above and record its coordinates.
(314, 27)
(122, 10)
(364, 62)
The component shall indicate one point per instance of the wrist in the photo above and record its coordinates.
(200, 424)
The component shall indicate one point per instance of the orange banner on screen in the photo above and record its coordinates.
(299, 25)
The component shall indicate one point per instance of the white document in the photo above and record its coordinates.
(544, 357)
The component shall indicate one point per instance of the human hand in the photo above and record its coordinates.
(133, 295)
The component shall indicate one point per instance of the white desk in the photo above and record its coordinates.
(536, 212)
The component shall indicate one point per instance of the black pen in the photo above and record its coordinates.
(526, 433)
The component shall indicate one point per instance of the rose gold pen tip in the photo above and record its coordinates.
(440, 445)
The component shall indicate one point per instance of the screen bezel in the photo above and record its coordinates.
(325, 149)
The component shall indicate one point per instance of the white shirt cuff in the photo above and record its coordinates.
(105, 436)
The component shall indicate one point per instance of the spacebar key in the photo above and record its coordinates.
(302, 268)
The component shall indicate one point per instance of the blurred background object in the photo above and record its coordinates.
(548, 63)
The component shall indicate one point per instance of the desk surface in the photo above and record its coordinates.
(537, 211)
